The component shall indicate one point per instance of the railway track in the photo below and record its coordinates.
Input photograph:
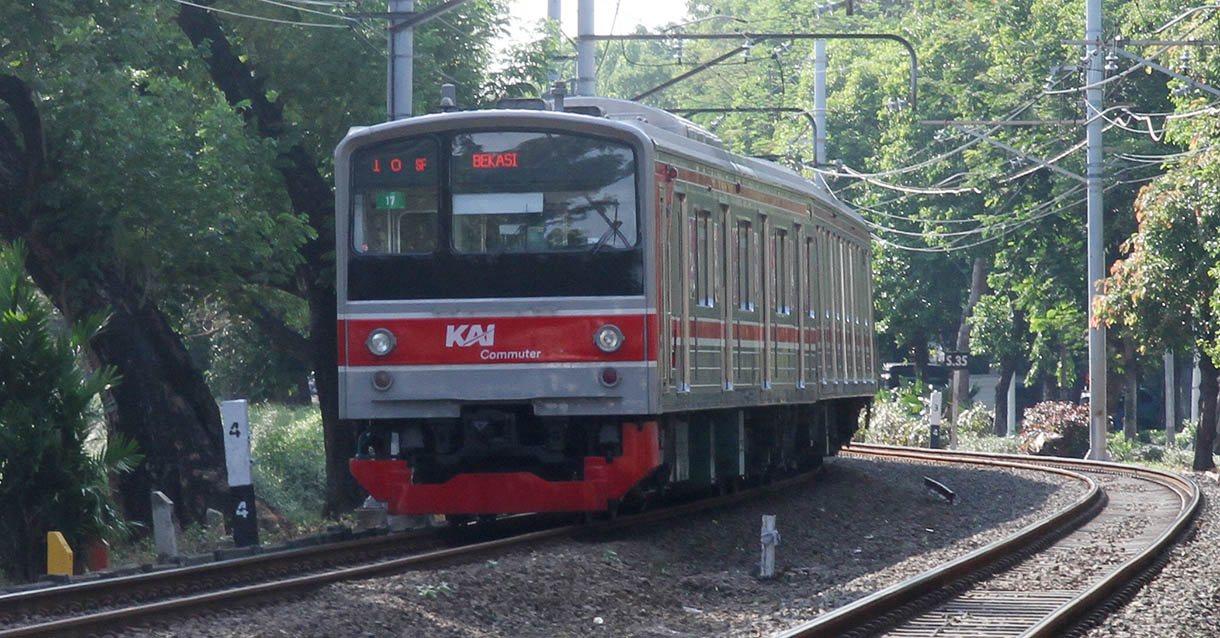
(984, 593)
(102, 606)
(1008, 588)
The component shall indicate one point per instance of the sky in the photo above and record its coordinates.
(650, 13)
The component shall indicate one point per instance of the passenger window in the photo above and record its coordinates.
(742, 292)
(702, 254)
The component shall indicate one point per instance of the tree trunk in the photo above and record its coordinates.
(961, 378)
(161, 401)
(920, 357)
(1131, 411)
(1205, 440)
(1007, 371)
(311, 194)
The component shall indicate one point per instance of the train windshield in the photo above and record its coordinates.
(396, 203)
(494, 213)
(533, 192)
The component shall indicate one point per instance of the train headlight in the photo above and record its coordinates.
(608, 338)
(380, 342)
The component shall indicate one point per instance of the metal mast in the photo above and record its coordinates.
(1093, 175)
(586, 84)
(400, 73)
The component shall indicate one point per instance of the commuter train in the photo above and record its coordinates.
(572, 304)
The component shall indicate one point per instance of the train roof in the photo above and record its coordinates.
(669, 132)
(679, 135)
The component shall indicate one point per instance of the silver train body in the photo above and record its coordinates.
(580, 304)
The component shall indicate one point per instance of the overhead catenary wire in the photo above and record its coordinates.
(1005, 231)
(247, 16)
(304, 10)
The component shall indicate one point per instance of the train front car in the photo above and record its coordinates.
(493, 313)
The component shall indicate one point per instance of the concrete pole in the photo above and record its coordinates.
(586, 84)
(1093, 175)
(1170, 399)
(1196, 380)
(1012, 405)
(401, 69)
(819, 102)
(554, 12)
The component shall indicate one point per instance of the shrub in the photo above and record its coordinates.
(1056, 428)
(976, 421)
(48, 480)
(289, 471)
(899, 417)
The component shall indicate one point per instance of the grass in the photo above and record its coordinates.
(289, 475)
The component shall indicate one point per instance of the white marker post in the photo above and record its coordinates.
(934, 407)
(235, 424)
(769, 538)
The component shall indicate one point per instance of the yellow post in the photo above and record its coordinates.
(59, 555)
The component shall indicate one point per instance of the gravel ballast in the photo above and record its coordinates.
(860, 526)
(1183, 599)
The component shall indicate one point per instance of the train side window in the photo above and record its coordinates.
(702, 254)
(692, 243)
(810, 308)
(743, 291)
(781, 277)
(757, 265)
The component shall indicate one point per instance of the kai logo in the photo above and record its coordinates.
(466, 335)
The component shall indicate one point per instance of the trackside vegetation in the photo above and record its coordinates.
(900, 416)
(48, 479)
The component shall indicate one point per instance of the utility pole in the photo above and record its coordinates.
(554, 13)
(400, 73)
(586, 84)
(819, 103)
(1093, 176)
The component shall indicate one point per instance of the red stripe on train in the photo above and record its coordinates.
(483, 340)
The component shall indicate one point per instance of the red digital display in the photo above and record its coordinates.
(396, 164)
(494, 160)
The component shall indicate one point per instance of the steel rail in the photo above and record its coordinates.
(1070, 613)
(143, 612)
(890, 599)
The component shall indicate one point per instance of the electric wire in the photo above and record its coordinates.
(304, 10)
(1130, 70)
(265, 19)
(1011, 225)
(324, 3)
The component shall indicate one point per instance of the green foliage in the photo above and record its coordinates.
(989, 443)
(1150, 449)
(899, 417)
(48, 480)
(429, 590)
(976, 420)
(289, 461)
(1055, 428)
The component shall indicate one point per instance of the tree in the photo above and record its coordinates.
(275, 90)
(1166, 287)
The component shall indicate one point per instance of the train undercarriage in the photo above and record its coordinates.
(503, 459)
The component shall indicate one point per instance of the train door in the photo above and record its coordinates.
(686, 276)
(743, 327)
(800, 299)
(870, 331)
(779, 274)
(705, 325)
(726, 266)
(849, 292)
(833, 314)
(766, 259)
(665, 312)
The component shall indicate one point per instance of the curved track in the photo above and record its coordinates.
(112, 604)
(1005, 589)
